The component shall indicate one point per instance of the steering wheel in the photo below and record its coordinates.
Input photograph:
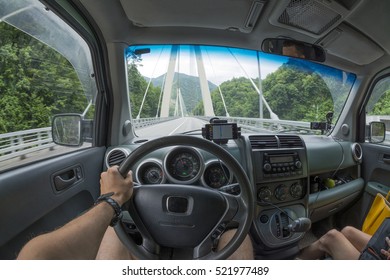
(186, 216)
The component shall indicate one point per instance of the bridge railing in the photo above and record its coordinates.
(138, 123)
(20, 143)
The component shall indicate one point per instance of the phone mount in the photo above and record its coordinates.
(220, 131)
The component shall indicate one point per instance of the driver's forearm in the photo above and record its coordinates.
(79, 239)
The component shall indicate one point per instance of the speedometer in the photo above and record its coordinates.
(184, 164)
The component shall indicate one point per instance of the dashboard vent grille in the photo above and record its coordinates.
(263, 142)
(290, 141)
(116, 156)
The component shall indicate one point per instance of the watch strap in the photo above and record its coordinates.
(117, 209)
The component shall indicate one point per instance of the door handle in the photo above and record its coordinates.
(65, 179)
(61, 184)
(386, 159)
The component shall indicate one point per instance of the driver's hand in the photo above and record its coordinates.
(112, 181)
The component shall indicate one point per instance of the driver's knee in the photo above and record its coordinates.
(327, 241)
(244, 252)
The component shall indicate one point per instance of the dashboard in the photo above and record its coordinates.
(289, 174)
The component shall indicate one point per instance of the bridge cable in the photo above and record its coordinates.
(219, 88)
(272, 114)
(147, 88)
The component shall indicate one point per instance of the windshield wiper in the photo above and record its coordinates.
(192, 132)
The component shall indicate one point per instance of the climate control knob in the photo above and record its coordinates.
(296, 190)
(264, 194)
(281, 192)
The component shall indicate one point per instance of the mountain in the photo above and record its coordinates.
(189, 88)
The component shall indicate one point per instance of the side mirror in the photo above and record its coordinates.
(292, 48)
(66, 130)
(377, 133)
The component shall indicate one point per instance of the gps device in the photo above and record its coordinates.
(221, 132)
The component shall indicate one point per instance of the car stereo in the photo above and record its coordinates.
(282, 164)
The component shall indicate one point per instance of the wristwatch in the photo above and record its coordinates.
(117, 209)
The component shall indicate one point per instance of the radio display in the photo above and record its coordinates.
(279, 159)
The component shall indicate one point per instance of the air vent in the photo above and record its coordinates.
(116, 156)
(263, 142)
(290, 141)
(357, 152)
(275, 142)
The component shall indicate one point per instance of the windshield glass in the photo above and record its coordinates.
(184, 86)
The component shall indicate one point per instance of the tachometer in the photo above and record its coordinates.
(184, 164)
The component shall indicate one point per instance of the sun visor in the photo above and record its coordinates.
(349, 44)
(216, 14)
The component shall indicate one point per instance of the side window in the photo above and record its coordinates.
(378, 107)
(39, 78)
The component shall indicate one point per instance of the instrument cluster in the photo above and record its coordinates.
(184, 165)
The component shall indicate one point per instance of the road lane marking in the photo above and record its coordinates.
(177, 127)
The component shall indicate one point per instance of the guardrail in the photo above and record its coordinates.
(20, 143)
(138, 123)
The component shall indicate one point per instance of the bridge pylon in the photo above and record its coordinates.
(169, 82)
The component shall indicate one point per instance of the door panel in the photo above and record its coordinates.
(45, 195)
(376, 172)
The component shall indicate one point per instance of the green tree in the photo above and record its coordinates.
(382, 106)
(137, 88)
(299, 94)
(35, 82)
(240, 97)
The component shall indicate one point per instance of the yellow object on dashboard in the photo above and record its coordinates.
(329, 183)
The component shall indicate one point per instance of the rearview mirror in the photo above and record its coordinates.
(292, 48)
(66, 130)
(377, 132)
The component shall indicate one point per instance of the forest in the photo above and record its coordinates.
(36, 82)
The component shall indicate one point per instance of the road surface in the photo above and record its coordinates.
(175, 126)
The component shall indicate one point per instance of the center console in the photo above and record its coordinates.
(281, 184)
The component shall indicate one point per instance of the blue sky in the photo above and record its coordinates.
(220, 63)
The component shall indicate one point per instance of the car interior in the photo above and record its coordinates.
(284, 188)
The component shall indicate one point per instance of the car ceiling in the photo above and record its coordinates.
(354, 33)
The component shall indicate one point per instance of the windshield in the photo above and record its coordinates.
(184, 86)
